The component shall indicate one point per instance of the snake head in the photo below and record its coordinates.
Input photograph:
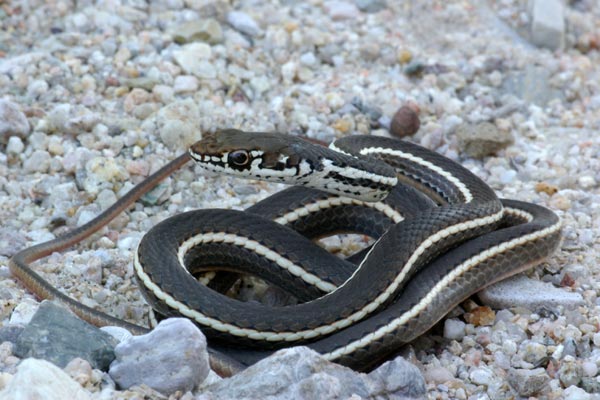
(276, 157)
(261, 155)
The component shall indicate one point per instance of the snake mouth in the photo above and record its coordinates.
(207, 159)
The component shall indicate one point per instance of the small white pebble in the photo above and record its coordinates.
(589, 368)
(39, 161)
(482, 376)
(243, 23)
(15, 145)
(575, 393)
(185, 83)
(163, 93)
(308, 59)
(454, 329)
(23, 312)
(586, 181)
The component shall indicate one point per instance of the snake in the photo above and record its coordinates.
(440, 234)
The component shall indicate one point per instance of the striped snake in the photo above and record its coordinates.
(440, 232)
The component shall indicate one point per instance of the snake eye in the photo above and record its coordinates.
(239, 157)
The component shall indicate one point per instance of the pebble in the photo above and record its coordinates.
(341, 10)
(136, 97)
(313, 377)
(521, 291)
(121, 334)
(528, 382)
(480, 316)
(405, 122)
(185, 83)
(454, 329)
(39, 379)
(99, 171)
(482, 139)
(143, 82)
(243, 23)
(80, 370)
(165, 94)
(371, 6)
(176, 124)
(56, 335)
(24, 312)
(39, 161)
(194, 58)
(589, 369)
(438, 375)
(570, 372)
(65, 118)
(590, 385)
(171, 358)
(37, 88)
(548, 24)
(532, 351)
(203, 30)
(15, 145)
(575, 393)
(482, 376)
(12, 121)
(398, 378)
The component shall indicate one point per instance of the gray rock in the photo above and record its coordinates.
(177, 124)
(301, 373)
(371, 6)
(39, 379)
(590, 385)
(548, 23)
(12, 121)
(170, 358)
(482, 139)
(521, 291)
(206, 30)
(10, 333)
(57, 335)
(398, 378)
(528, 382)
(294, 373)
(570, 347)
(243, 23)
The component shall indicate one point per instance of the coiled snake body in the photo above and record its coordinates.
(441, 235)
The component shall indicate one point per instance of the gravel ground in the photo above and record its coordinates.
(96, 95)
